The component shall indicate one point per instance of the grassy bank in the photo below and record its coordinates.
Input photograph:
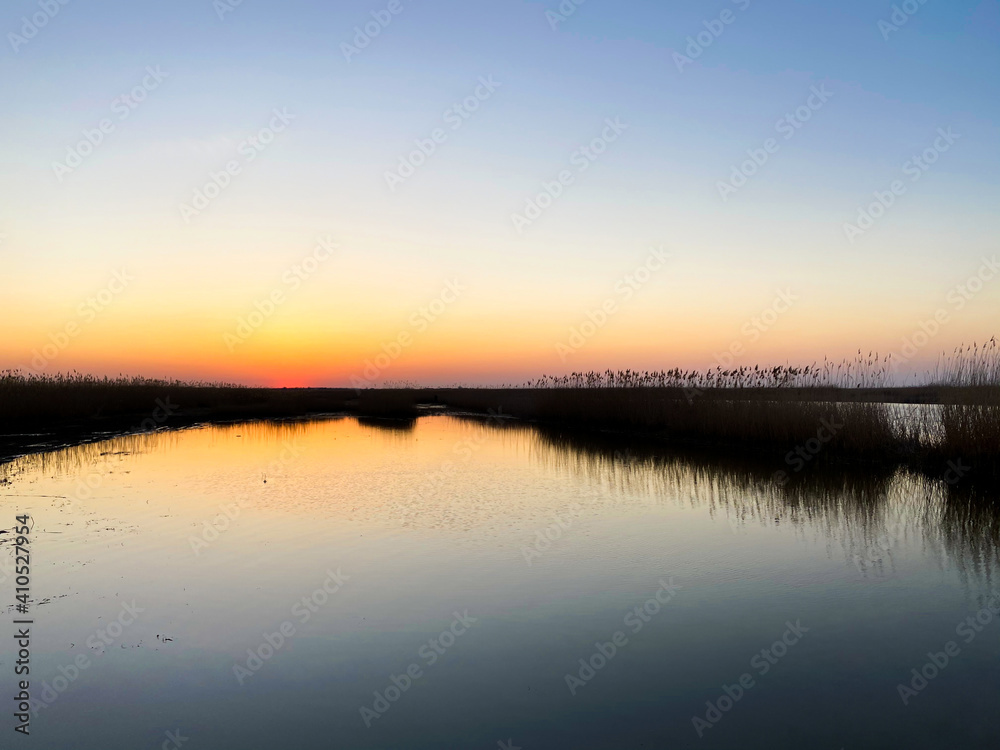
(828, 411)
(954, 437)
(37, 413)
(722, 416)
(74, 397)
(825, 412)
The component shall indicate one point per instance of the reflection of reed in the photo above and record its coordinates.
(869, 511)
(389, 424)
(78, 457)
(967, 523)
(75, 458)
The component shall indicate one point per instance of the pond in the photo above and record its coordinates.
(459, 583)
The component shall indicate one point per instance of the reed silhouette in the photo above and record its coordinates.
(827, 411)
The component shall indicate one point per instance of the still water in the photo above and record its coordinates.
(448, 583)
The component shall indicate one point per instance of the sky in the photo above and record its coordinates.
(443, 191)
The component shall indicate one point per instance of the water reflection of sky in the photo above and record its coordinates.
(546, 539)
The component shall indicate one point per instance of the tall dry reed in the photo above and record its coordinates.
(970, 427)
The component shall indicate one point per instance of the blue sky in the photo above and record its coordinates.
(655, 185)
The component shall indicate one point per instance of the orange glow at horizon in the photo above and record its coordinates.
(411, 325)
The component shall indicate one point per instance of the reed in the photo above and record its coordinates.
(719, 418)
(397, 403)
(861, 371)
(970, 427)
(39, 400)
(759, 407)
(846, 409)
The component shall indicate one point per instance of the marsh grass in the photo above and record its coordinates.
(970, 427)
(835, 410)
(871, 371)
(46, 399)
(718, 417)
(751, 407)
(395, 403)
